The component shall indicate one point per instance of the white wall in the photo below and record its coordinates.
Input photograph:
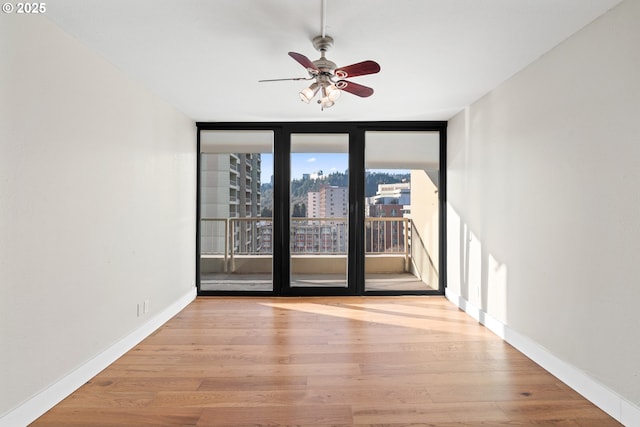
(97, 206)
(543, 205)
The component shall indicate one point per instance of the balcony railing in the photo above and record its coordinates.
(230, 237)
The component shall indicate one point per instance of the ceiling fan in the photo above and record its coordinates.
(328, 77)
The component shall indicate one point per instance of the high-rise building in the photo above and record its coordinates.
(230, 188)
(333, 202)
(313, 204)
(323, 235)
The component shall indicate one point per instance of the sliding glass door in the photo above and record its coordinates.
(402, 210)
(236, 225)
(319, 212)
(321, 208)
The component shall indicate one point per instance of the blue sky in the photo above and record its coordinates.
(302, 163)
(307, 163)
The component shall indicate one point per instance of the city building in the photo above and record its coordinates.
(333, 202)
(324, 235)
(230, 188)
(316, 175)
(313, 204)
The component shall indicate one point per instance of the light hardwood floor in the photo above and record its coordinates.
(348, 361)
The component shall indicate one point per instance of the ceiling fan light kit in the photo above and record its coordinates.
(325, 72)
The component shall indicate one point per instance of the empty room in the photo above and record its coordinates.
(319, 213)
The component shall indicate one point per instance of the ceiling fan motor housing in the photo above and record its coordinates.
(323, 44)
(325, 66)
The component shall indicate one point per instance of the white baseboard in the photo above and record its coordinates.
(610, 402)
(33, 408)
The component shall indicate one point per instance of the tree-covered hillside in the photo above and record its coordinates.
(300, 188)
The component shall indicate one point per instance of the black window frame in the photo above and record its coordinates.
(281, 209)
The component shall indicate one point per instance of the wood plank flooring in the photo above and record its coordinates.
(348, 361)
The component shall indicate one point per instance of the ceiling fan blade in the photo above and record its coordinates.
(282, 80)
(359, 69)
(354, 88)
(303, 60)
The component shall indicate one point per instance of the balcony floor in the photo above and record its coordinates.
(262, 282)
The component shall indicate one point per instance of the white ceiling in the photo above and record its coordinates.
(205, 57)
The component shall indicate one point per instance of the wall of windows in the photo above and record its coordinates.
(320, 208)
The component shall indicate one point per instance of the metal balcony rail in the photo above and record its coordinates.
(229, 237)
